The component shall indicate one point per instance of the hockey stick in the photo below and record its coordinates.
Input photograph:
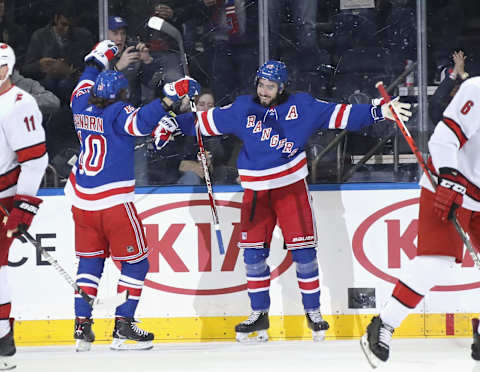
(160, 24)
(95, 303)
(411, 143)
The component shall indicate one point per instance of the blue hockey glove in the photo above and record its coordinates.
(102, 53)
(180, 88)
(164, 132)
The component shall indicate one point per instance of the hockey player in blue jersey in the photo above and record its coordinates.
(101, 190)
(274, 127)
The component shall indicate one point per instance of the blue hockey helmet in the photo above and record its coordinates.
(109, 83)
(274, 71)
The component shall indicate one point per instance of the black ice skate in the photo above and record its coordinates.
(126, 329)
(476, 340)
(83, 334)
(256, 322)
(376, 342)
(317, 324)
(7, 349)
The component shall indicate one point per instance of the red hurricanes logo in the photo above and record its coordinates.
(184, 256)
(399, 238)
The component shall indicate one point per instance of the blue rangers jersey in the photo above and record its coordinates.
(103, 175)
(274, 138)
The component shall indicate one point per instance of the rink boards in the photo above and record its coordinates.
(366, 234)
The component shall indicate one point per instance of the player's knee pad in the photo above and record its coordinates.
(255, 261)
(305, 260)
(424, 272)
(137, 270)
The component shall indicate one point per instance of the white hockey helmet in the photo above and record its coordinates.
(7, 57)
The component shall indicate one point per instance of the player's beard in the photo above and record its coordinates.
(267, 101)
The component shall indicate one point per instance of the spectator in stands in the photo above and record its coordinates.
(133, 59)
(219, 151)
(231, 42)
(12, 34)
(448, 87)
(48, 102)
(298, 40)
(55, 53)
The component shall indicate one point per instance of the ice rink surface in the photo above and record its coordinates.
(407, 355)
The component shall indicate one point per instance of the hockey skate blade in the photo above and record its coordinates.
(7, 363)
(252, 337)
(110, 302)
(318, 336)
(82, 346)
(371, 358)
(155, 23)
(121, 344)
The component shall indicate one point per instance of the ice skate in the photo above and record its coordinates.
(476, 340)
(256, 322)
(126, 329)
(83, 334)
(7, 350)
(376, 342)
(317, 325)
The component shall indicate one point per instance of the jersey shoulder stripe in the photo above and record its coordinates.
(456, 129)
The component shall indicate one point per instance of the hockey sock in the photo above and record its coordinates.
(418, 277)
(5, 301)
(307, 276)
(258, 277)
(89, 272)
(131, 279)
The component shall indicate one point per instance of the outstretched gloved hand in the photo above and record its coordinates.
(164, 131)
(402, 109)
(180, 88)
(102, 53)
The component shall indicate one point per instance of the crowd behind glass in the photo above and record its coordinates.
(332, 51)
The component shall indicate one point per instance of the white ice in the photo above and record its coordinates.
(407, 355)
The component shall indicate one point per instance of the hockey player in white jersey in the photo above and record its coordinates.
(454, 165)
(23, 160)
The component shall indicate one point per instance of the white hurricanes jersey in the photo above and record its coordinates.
(23, 156)
(455, 142)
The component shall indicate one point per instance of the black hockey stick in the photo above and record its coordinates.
(95, 303)
(408, 137)
(160, 24)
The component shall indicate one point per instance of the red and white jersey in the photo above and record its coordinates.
(23, 156)
(455, 143)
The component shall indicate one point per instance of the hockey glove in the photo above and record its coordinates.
(449, 194)
(181, 88)
(21, 216)
(402, 109)
(164, 131)
(102, 53)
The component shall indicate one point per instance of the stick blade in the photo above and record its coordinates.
(111, 302)
(220, 241)
(155, 23)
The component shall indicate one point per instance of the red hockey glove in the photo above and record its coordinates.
(164, 131)
(449, 194)
(20, 219)
(181, 88)
(102, 53)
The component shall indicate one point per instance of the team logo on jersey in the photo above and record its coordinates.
(130, 249)
(19, 97)
(292, 113)
(129, 109)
